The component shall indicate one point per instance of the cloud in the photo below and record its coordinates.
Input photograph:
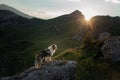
(113, 1)
(43, 14)
(74, 0)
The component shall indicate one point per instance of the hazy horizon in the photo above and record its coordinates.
(46, 9)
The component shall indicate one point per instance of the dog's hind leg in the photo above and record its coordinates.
(37, 62)
(42, 60)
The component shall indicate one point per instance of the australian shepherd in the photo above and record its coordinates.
(45, 55)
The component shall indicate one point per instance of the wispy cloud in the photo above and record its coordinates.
(113, 1)
(43, 14)
(74, 0)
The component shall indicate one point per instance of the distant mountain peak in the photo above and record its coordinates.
(9, 8)
(76, 12)
(4, 7)
(2, 4)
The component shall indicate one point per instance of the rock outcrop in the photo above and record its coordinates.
(104, 36)
(55, 70)
(111, 49)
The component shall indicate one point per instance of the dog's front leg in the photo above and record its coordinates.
(42, 60)
(50, 58)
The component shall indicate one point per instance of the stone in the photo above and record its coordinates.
(104, 36)
(111, 49)
(54, 70)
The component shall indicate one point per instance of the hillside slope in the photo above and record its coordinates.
(105, 24)
(6, 7)
(22, 38)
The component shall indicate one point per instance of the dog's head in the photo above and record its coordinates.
(52, 48)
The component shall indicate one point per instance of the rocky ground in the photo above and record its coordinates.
(55, 70)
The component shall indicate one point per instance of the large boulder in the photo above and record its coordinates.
(104, 36)
(55, 70)
(111, 49)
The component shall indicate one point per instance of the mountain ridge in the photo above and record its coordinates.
(20, 40)
(6, 7)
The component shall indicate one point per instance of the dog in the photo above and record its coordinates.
(45, 55)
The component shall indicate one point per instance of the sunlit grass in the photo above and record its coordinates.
(89, 66)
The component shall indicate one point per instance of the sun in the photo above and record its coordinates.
(87, 18)
(88, 13)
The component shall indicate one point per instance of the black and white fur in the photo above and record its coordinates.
(45, 55)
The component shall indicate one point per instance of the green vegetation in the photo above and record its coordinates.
(20, 43)
(90, 64)
(21, 39)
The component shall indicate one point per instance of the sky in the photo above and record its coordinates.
(47, 9)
